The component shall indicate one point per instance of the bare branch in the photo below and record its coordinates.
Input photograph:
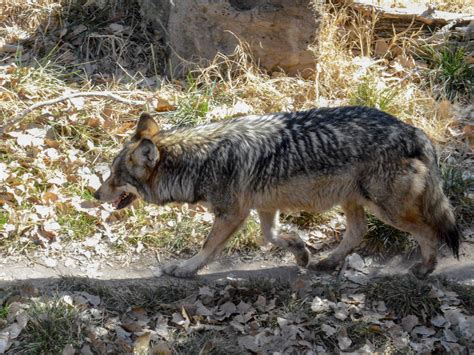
(105, 94)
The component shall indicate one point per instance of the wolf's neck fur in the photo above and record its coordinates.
(191, 159)
(182, 153)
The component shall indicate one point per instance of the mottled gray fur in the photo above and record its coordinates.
(355, 157)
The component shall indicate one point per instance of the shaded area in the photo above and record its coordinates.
(251, 311)
(97, 41)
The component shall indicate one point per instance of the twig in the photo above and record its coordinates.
(106, 94)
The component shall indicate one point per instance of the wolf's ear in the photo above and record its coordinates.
(146, 127)
(146, 154)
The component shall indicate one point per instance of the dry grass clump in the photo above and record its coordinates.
(238, 78)
(335, 68)
(385, 241)
(22, 18)
(465, 6)
(404, 295)
(53, 324)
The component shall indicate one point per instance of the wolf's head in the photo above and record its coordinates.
(132, 167)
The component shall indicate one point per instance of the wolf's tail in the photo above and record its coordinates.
(437, 210)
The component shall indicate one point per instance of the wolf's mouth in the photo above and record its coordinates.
(124, 200)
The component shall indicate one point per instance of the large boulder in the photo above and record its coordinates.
(278, 32)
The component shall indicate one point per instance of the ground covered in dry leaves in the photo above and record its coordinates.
(316, 313)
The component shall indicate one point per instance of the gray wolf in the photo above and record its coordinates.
(356, 157)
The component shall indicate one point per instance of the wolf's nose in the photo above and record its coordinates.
(97, 195)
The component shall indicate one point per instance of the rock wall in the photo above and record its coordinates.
(277, 31)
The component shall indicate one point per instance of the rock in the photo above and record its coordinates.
(340, 311)
(355, 261)
(381, 47)
(278, 32)
(422, 330)
(409, 322)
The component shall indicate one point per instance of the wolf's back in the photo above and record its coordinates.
(329, 141)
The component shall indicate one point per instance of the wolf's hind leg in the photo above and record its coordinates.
(409, 218)
(426, 238)
(356, 227)
(222, 229)
(270, 229)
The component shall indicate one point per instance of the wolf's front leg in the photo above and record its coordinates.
(222, 230)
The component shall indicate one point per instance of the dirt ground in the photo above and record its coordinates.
(257, 265)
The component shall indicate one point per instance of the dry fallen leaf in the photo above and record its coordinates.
(409, 322)
(320, 305)
(340, 311)
(179, 320)
(142, 344)
(355, 261)
(343, 342)
(163, 105)
(328, 330)
(161, 349)
(68, 350)
(202, 310)
(423, 330)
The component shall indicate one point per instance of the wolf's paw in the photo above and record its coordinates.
(178, 270)
(326, 264)
(421, 271)
(302, 257)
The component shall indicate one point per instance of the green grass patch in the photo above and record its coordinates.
(77, 225)
(206, 342)
(181, 241)
(3, 312)
(41, 76)
(78, 190)
(174, 232)
(361, 332)
(3, 218)
(193, 105)
(249, 290)
(80, 135)
(450, 73)
(455, 186)
(383, 240)
(247, 239)
(53, 324)
(404, 295)
(180, 233)
(368, 93)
